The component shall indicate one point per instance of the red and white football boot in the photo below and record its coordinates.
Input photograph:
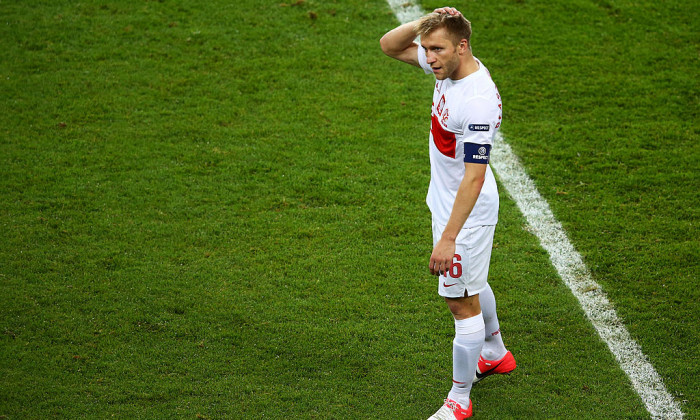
(451, 410)
(492, 367)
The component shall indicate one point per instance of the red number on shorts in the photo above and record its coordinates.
(456, 269)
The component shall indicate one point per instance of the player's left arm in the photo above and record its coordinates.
(467, 194)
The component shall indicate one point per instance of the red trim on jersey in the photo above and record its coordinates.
(444, 140)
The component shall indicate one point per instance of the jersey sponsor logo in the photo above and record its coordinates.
(476, 153)
(479, 127)
(444, 140)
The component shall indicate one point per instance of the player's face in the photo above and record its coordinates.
(441, 52)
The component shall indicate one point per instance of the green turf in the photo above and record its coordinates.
(216, 209)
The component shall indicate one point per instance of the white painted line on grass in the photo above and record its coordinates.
(568, 262)
(405, 11)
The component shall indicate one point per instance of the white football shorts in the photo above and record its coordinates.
(470, 265)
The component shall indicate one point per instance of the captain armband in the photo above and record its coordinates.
(477, 153)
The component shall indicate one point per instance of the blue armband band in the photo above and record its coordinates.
(477, 153)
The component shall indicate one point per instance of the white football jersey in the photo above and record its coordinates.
(466, 115)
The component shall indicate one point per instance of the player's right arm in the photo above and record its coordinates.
(398, 43)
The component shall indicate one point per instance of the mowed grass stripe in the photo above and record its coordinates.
(571, 268)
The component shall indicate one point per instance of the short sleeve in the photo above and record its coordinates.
(423, 60)
(481, 119)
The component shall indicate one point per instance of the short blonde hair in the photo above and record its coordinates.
(458, 27)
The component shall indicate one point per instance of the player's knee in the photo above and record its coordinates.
(463, 308)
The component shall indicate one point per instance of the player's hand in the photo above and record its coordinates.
(441, 259)
(449, 10)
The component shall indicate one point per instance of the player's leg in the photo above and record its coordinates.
(495, 358)
(493, 349)
(466, 346)
(460, 288)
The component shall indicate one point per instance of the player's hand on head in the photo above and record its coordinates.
(449, 10)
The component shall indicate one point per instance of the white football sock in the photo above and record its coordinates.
(466, 347)
(493, 349)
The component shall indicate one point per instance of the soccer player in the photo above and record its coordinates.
(462, 196)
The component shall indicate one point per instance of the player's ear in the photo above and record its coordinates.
(463, 46)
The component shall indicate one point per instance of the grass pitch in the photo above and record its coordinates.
(216, 210)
